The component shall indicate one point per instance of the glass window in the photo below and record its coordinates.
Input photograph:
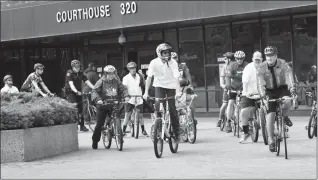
(154, 35)
(218, 41)
(191, 52)
(136, 37)
(171, 38)
(276, 32)
(246, 37)
(305, 45)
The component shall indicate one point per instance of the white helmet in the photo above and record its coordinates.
(163, 47)
(239, 54)
(109, 69)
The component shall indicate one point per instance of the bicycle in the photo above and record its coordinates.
(163, 130)
(312, 124)
(223, 120)
(89, 109)
(187, 123)
(112, 129)
(262, 116)
(254, 121)
(133, 123)
(280, 127)
(235, 122)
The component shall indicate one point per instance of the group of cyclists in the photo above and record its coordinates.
(168, 76)
(266, 80)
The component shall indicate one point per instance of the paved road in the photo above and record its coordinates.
(215, 155)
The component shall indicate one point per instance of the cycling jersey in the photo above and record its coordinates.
(234, 74)
(223, 73)
(105, 89)
(27, 85)
(275, 77)
(77, 79)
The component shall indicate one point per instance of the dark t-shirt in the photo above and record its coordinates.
(77, 79)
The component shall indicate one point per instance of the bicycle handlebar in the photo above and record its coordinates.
(162, 99)
(280, 99)
(107, 102)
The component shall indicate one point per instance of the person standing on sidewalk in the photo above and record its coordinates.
(8, 85)
(73, 88)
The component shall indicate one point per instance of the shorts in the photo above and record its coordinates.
(129, 107)
(247, 102)
(274, 94)
(232, 96)
(225, 97)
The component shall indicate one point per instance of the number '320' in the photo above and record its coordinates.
(128, 8)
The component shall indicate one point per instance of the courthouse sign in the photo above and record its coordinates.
(95, 12)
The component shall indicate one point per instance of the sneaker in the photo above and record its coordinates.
(84, 129)
(244, 138)
(288, 122)
(219, 123)
(229, 128)
(272, 147)
(95, 145)
(145, 133)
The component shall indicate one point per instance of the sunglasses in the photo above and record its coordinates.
(239, 59)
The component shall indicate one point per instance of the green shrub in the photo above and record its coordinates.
(26, 110)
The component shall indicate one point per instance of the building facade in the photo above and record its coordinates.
(54, 33)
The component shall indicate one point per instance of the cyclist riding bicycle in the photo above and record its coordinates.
(133, 82)
(250, 93)
(108, 87)
(228, 59)
(8, 85)
(32, 81)
(166, 83)
(233, 80)
(73, 88)
(276, 80)
(185, 81)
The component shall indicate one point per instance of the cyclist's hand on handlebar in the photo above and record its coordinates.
(178, 95)
(145, 96)
(99, 102)
(79, 93)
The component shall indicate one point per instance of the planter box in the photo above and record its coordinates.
(35, 143)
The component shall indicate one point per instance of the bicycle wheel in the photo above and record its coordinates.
(223, 123)
(254, 127)
(311, 126)
(91, 116)
(192, 130)
(285, 139)
(173, 145)
(233, 124)
(157, 140)
(183, 120)
(136, 124)
(316, 125)
(118, 136)
(152, 132)
(263, 125)
(278, 136)
(107, 137)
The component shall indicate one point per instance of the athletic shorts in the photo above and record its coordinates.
(274, 94)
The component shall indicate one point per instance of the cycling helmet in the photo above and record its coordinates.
(314, 67)
(75, 63)
(6, 77)
(174, 55)
(38, 65)
(239, 54)
(269, 50)
(109, 69)
(228, 55)
(163, 47)
(131, 65)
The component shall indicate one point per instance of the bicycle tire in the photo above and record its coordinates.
(91, 114)
(263, 125)
(157, 138)
(255, 127)
(173, 142)
(118, 136)
(277, 137)
(311, 125)
(285, 140)
(108, 135)
(233, 125)
(194, 128)
(184, 135)
(151, 132)
(316, 125)
(136, 124)
(223, 123)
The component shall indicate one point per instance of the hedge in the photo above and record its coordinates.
(26, 110)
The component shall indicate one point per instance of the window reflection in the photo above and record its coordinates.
(246, 37)
(305, 45)
(276, 32)
(171, 38)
